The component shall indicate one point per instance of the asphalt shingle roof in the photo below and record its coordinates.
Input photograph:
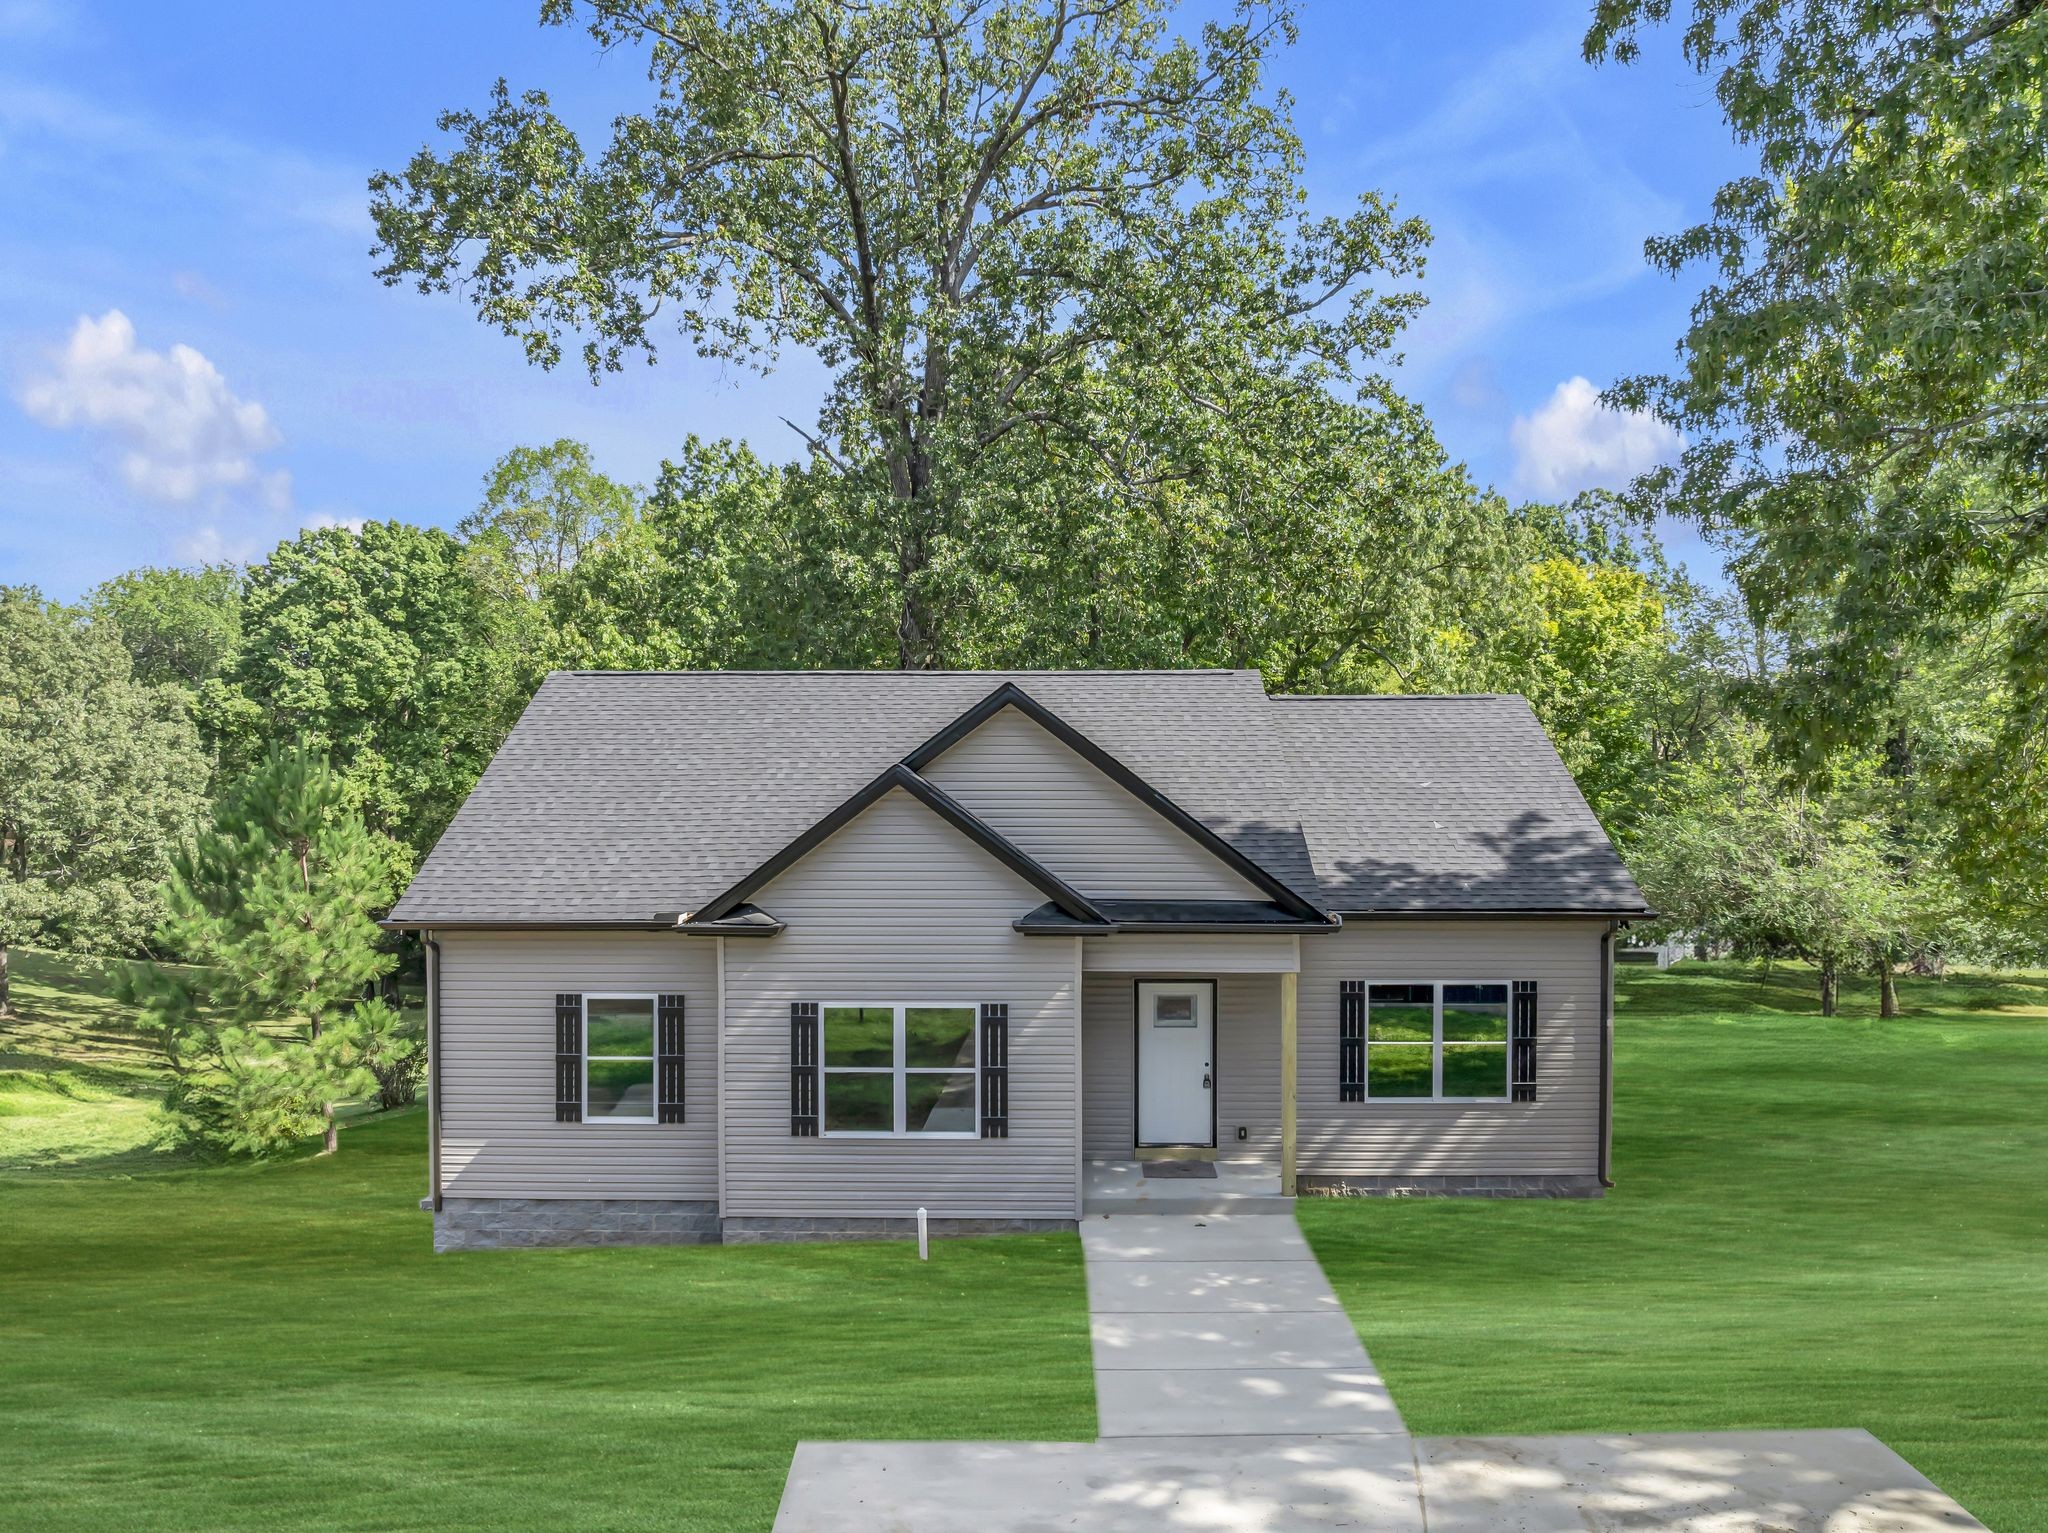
(622, 795)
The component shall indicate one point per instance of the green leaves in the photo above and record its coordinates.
(1865, 381)
(101, 779)
(1738, 856)
(273, 903)
(1033, 243)
(386, 648)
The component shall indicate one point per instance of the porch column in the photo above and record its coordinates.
(1288, 1052)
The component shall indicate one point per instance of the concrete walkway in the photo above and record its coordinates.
(1233, 1396)
(1222, 1325)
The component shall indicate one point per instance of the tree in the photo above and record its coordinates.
(1741, 856)
(180, 625)
(543, 507)
(698, 576)
(1864, 384)
(273, 905)
(382, 648)
(1007, 228)
(101, 780)
(1589, 647)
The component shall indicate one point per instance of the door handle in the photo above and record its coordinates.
(1205, 1083)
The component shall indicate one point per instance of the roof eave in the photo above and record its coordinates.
(471, 924)
(1501, 912)
(1167, 928)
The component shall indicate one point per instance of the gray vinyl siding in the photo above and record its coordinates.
(1247, 1062)
(899, 906)
(1556, 1135)
(499, 1137)
(1065, 813)
(1181, 953)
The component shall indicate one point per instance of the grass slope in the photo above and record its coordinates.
(1816, 1223)
(79, 1086)
(275, 1348)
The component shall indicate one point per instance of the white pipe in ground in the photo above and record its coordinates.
(924, 1249)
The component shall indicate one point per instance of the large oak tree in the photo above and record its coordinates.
(1053, 254)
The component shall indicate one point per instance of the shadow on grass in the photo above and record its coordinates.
(1731, 989)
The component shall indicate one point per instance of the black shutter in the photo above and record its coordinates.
(568, 1059)
(803, 1069)
(1522, 1042)
(668, 1058)
(1351, 1040)
(995, 1070)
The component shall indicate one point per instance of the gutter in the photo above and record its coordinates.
(675, 924)
(1607, 1052)
(433, 949)
(1194, 928)
(1453, 913)
(656, 925)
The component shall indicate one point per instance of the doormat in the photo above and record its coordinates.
(1181, 1170)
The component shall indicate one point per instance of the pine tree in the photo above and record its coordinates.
(266, 1032)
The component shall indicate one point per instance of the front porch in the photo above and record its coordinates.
(1224, 1066)
(1243, 1185)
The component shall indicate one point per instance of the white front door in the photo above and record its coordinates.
(1176, 1062)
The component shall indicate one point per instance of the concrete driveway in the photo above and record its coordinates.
(1233, 1396)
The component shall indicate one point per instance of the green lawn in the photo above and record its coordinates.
(275, 1348)
(78, 1085)
(1815, 1223)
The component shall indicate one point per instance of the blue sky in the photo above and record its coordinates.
(195, 359)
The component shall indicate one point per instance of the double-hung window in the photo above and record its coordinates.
(1441, 1040)
(618, 1059)
(900, 1069)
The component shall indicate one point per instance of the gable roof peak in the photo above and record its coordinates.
(1010, 695)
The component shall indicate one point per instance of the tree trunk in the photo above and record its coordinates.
(910, 486)
(330, 1142)
(914, 648)
(6, 996)
(1829, 988)
(1887, 989)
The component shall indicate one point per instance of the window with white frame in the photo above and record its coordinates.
(906, 1068)
(1441, 1039)
(618, 1059)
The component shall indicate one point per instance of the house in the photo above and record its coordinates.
(748, 956)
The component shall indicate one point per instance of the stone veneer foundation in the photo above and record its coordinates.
(1452, 1187)
(479, 1224)
(748, 1232)
(476, 1224)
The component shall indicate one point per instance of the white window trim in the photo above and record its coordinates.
(1436, 1043)
(653, 1057)
(898, 1069)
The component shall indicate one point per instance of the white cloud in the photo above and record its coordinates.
(1576, 443)
(182, 432)
(193, 288)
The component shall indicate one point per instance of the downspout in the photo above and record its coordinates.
(433, 950)
(1607, 1052)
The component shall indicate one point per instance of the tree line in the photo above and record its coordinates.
(1103, 392)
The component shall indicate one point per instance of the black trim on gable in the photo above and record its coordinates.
(740, 921)
(946, 807)
(1200, 916)
(1010, 695)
